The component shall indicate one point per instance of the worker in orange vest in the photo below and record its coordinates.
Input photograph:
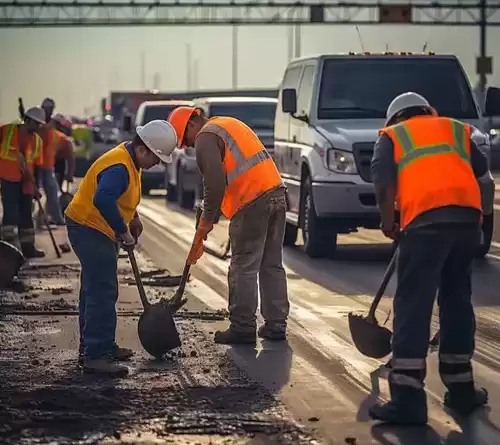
(428, 166)
(64, 167)
(242, 182)
(21, 153)
(51, 138)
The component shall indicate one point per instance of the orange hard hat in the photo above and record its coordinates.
(179, 119)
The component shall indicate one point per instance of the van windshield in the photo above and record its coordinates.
(154, 112)
(363, 88)
(256, 115)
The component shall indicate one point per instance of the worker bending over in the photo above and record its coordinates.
(101, 216)
(21, 152)
(64, 166)
(51, 139)
(429, 165)
(241, 181)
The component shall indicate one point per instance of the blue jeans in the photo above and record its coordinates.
(98, 256)
(51, 189)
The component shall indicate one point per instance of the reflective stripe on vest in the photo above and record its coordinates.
(411, 151)
(36, 152)
(6, 144)
(242, 164)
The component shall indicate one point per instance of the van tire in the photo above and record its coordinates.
(184, 198)
(319, 238)
(487, 236)
(171, 193)
(291, 233)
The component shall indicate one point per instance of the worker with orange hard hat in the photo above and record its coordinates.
(242, 182)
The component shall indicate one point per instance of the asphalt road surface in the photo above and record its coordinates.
(318, 373)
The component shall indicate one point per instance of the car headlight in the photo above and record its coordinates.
(341, 162)
(494, 132)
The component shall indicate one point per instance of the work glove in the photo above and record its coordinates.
(136, 227)
(127, 241)
(68, 178)
(391, 232)
(196, 251)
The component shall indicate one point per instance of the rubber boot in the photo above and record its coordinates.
(277, 333)
(465, 402)
(27, 239)
(105, 365)
(233, 337)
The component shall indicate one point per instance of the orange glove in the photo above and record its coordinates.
(204, 228)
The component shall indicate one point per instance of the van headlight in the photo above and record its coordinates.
(341, 162)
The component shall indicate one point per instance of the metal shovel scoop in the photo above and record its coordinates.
(368, 336)
(11, 260)
(157, 331)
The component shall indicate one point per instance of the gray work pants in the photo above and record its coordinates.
(51, 189)
(256, 233)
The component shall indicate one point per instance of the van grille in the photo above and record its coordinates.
(363, 152)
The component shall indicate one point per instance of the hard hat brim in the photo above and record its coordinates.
(167, 159)
(35, 119)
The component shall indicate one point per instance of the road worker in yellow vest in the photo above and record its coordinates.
(101, 217)
(21, 152)
(241, 181)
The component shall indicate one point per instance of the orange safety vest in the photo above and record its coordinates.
(82, 210)
(250, 170)
(10, 167)
(434, 166)
(50, 138)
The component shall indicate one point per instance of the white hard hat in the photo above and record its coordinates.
(160, 137)
(405, 101)
(36, 114)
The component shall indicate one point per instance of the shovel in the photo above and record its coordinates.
(368, 336)
(157, 331)
(46, 222)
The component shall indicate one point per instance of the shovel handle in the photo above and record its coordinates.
(138, 281)
(182, 285)
(383, 286)
(46, 222)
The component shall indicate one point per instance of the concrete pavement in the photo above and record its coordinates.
(196, 396)
(319, 373)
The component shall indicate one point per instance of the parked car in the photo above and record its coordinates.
(330, 110)
(157, 177)
(185, 183)
(105, 130)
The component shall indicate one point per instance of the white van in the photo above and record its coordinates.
(330, 108)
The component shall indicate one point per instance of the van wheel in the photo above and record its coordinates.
(184, 198)
(291, 232)
(486, 236)
(319, 238)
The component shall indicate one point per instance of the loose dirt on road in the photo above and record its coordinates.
(195, 396)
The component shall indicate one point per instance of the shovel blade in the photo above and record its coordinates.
(11, 260)
(157, 330)
(369, 337)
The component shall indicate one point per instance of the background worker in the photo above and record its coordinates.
(48, 105)
(21, 151)
(241, 181)
(100, 217)
(64, 165)
(50, 137)
(429, 165)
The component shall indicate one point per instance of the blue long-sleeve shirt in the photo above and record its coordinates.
(111, 184)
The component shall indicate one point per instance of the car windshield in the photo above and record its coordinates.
(153, 112)
(256, 115)
(363, 88)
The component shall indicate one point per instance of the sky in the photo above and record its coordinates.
(78, 66)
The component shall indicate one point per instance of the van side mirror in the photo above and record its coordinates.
(492, 102)
(289, 101)
(127, 123)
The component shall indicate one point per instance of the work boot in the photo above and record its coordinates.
(119, 354)
(232, 337)
(30, 251)
(465, 403)
(105, 365)
(271, 333)
(391, 413)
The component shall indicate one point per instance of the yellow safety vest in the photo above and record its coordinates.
(82, 210)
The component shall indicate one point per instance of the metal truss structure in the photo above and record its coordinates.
(47, 13)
